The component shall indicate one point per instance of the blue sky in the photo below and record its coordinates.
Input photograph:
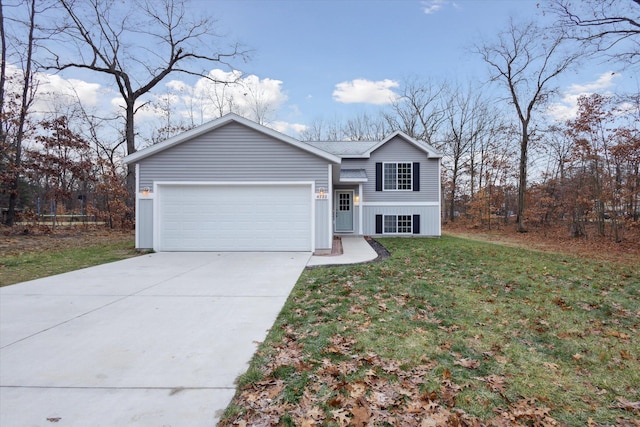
(332, 59)
(315, 47)
(312, 46)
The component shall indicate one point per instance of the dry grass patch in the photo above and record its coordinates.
(41, 252)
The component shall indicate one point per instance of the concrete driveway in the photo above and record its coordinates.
(156, 340)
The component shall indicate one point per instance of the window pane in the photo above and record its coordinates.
(390, 176)
(405, 224)
(390, 224)
(404, 176)
(344, 202)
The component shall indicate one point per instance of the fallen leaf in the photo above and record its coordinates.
(315, 413)
(467, 363)
(361, 416)
(627, 405)
(617, 334)
(340, 415)
(357, 390)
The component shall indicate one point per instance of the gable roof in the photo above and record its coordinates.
(363, 149)
(344, 148)
(219, 122)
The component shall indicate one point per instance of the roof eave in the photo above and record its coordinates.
(354, 180)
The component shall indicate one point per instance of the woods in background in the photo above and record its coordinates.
(507, 159)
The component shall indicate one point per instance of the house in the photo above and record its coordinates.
(234, 185)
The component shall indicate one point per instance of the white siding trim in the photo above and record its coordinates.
(312, 195)
(352, 180)
(233, 183)
(440, 198)
(137, 205)
(360, 209)
(400, 203)
(330, 209)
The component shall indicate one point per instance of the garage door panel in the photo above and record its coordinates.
(234, 217)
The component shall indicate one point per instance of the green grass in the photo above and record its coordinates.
(473, 327)
(36, 264)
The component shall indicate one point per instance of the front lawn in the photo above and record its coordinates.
(28, 257)
(452, 332)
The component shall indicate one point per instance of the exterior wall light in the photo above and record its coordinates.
(321, 193)
(146, 191)
(356, 199)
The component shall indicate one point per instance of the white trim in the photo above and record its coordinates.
(397, 163)
(330, 205)
(233, 183)
(352, 204)
(440, 198)
(219, 122)
(360, 209)
(400, 204)
(313, 215)
(354, 180)
(137, 206)
(156, 202)
(397, 233)
(156, 218)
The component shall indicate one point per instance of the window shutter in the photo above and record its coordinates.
(378, 176)
(416, 176)
(416, 224)
(378, 224)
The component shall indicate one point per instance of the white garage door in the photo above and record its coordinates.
(273, 217)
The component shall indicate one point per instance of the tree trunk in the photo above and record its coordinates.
(130, 137)
(522, 182)
(453, 192)
(24, 105)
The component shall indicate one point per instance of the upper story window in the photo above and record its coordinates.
(397, 176)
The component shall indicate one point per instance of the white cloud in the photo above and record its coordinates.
(288, 128)
(223, 92)
(432, 6)
(55, 92)
(605, 81)
(366, 91)
(567, 108)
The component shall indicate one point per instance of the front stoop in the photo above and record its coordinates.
(336, 248)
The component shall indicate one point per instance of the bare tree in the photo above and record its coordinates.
(525, 60)
(138, 48)
(418, 112)
(611, 26)
(364, 127)
(314, 131)
(466, 121)
(15, 127)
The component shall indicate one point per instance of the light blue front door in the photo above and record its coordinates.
(344, 210)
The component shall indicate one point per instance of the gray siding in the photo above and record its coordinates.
(322, 226)
(233, 153)
(429, 217)
(398, 150)
(144, 224)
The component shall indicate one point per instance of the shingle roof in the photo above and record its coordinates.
(364, 148)
(344, 148)
(353, 175)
